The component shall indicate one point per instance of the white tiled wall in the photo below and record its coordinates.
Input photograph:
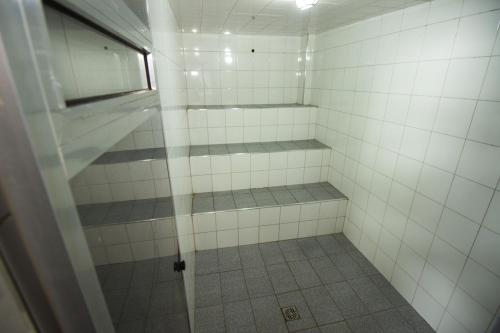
(410, 103)
(117, 243)
(237, 125)
(171, 81)
(222, 69)
(254, 170)
(269, 224)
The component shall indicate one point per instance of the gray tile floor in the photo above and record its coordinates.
(145, 296)
(335, 289)
(264, 197)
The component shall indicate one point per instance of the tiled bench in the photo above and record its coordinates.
(129, 230)
(231, 218)
(255, 165)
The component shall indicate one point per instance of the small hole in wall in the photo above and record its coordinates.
(105, 47)
(253, 50)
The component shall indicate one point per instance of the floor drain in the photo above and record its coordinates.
(290, 313)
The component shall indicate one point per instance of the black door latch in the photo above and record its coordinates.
(179, 266)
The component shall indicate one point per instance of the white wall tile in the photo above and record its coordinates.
(427, 307)
(476, 35)
(485, 250)
(437, 285)
(226, 220)
(248, 236)
(141, 231)
(227, 238)
(206, 241)
(204, 222)
(485, 123)
(465, 77)
(114, 234)
(454, 116)
(457, 230)
(479, 162)
(268, 233)
(469, 199)
(490, 87)
(269, 216)
(491, 220)
(444, 151)
(248, 218)
(481, 284)
(446, 259)
(469, 312)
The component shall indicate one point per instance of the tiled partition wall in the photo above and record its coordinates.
(410, 104)
(171, 81)
(246, 123)
(243, 69)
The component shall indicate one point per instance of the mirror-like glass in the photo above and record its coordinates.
(125, 207)
(89, 63)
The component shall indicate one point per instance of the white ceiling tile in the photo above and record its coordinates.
(277, 17)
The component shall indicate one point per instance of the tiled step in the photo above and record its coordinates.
(256, 147)
(125, 211)
(230, 218)
(247, 106)
(129, 230)
(264, 197)
(255, 165)
(124, 156)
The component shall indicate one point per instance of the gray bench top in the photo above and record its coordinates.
(264, 197)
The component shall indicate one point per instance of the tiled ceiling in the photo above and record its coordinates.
(277, 17)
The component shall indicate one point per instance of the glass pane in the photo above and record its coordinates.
(89, 63)
(125, 207)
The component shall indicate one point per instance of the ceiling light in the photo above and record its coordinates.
(305, 4)
(227, 32)
(194, 30)
(194, 73)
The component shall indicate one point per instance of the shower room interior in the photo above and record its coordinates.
(277, 166)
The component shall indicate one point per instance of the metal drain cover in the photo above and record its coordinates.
(290, 313)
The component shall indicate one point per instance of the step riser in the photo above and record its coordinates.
(256, 170)
(219, 126)
(100, 183)
(260, 225)
(132, 241)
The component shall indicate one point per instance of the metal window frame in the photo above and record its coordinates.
(43, 243)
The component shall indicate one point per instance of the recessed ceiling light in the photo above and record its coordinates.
(306, 4)
(194, 30)
(227, 32)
